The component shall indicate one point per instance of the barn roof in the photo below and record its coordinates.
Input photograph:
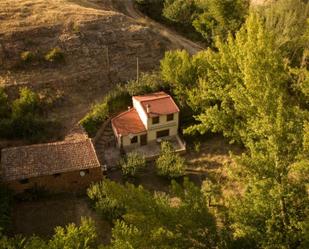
(23, 162)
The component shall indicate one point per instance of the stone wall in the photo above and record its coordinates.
(65, 182)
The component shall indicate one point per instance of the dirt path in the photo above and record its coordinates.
(127, 7)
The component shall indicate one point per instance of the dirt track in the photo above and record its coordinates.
(128, 8)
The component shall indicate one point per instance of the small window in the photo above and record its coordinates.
(164, 133)
(155, 120)
(134, 140)
(24, 181)
(170, 117)
(57, 175)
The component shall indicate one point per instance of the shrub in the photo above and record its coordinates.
(132, 163)
(115, 101)
(169, 163)
(55, 55)
(27, 56)
(92, 121)
(104, 196)
(148, 82)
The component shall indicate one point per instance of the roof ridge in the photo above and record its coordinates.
(156, 98)
(49, 144)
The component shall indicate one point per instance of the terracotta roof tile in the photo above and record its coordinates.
(47, 159)
(128, 122)
(160, 103)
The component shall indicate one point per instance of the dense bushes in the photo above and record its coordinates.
(70, 237)
(169, 162)
(23, 118)
(203, 20)
(132, 163)
(115, 101)
(180, 219)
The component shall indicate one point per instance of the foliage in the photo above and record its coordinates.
(54, 55)
(179, 71)
(27, 56)
(132, 163)
(179, 220)
(23, 117)
(169, 162)
(115, 101)
(209, 18)
(287, 20)
(147, 83)
(105, 197)
(70, 237)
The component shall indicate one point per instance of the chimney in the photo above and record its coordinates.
(148, 108)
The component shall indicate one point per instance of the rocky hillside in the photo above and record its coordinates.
(99, 47)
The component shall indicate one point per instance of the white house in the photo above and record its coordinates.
(152, 117)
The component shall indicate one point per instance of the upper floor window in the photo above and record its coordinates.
(155, 120)
(170, 117)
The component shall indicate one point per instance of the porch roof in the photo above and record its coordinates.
(128, 122)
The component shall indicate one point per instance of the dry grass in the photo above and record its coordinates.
(18, 15)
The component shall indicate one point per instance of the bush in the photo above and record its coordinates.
(104, 196)
(92, 121)
(23, 119)
(169, 163)
(27, 56)
(132, 163)
(115, 101)
(55, 55)
(148, 82)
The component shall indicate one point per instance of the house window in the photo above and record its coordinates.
(134, 140)
(24, 181)
(164, 133)
(57, 175)
(170, 117)
(155, 120)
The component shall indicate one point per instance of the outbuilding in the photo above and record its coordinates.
(56, 167)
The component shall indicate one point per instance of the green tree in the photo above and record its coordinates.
(132, 163)
(179, 220)
(70, 237)
(178, 70)
(287, 20)
(169, 162)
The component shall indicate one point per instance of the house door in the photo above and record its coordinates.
(143, 139)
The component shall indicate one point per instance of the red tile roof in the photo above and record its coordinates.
(128, 122)
(47, 159)
(160, 103)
